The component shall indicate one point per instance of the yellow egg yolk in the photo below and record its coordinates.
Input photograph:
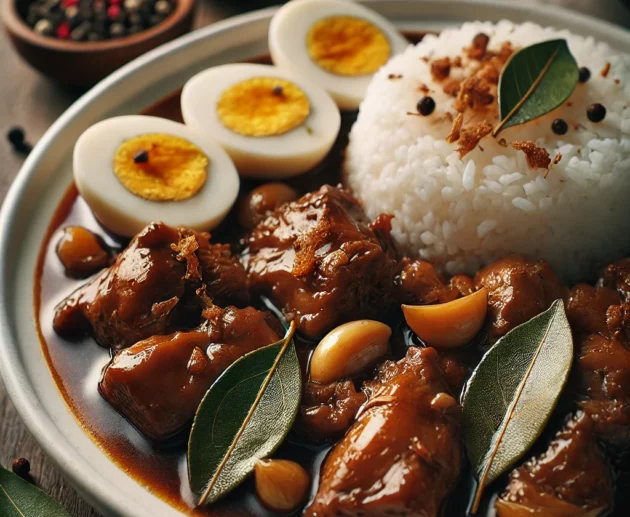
(263, 106)
(160, 167)
(348, 46)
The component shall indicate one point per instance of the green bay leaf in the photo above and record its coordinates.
(18, 498)
(244, 417)
(536, 80)
(513, 391)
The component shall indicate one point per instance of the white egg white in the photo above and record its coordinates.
(271, 157)
(124, 213)
(287, 43)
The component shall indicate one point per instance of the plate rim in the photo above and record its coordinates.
(12, 371)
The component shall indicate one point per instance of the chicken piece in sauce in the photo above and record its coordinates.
(151, 288)
(328, 410)
(158, 383)
(518, 289)
(403, 455)
(319, 260)
(601, 373)
(617, 276)
(570, 479)
(419, 283)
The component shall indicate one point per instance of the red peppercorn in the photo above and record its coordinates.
(115, 2)
(63, 30)
(113, 12)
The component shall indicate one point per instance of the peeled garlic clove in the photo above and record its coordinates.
(449, 325)
(281, 485)
(349, 349)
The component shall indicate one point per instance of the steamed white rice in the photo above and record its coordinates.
(463, 213)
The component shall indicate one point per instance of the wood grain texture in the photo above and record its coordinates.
(33, 102)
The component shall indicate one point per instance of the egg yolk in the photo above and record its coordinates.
(263, 106)
(159, 167)
(348, 46)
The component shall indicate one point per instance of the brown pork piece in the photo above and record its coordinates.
(587, 307)
(402, 456)
(601, 374)
(419, 283)
(328, 410)
(518, 289)
(319, 260)
(158, 383)
(617, 276)
(151, 288)
(570, 479)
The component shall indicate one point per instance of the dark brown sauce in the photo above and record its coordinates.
(76, 366)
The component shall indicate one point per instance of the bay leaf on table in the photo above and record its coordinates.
(19, 498)
(535, 80)
(513, 392)
(244, 417)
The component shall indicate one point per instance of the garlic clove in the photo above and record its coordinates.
(449, 325)
(281, 485)
(348, 350)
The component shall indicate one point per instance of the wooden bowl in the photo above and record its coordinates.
(84, 63)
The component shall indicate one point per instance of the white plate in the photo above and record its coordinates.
(47, 172)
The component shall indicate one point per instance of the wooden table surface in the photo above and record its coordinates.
(33, 102)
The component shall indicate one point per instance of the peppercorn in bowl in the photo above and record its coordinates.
(78, 42)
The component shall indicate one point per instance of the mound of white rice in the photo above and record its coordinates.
(463, 213)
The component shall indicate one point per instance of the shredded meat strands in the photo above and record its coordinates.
(441, 68)
(471, 136)
(453, 136)
(537, 157)
(477, 49)
(186, 248)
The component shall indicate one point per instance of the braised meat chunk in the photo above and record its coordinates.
(617, 276)
(570, 479)
(152, 288)
(328, 410)
(158, 383)
(603, 377)
(318, 259)
(518, 289)
(601, 374)
(418, 282)
(402, 456)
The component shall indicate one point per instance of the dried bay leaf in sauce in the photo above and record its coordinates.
(244, 417)
(19, 498)
(513, 392)
(536, 80)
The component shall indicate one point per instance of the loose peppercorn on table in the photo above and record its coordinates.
(33, 103)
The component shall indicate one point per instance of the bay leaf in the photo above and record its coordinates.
(18, 498)
(244, 417)
(513, 391)
(535, 80)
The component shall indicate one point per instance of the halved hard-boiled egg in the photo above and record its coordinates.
(336, 44)
(136, 169)
(271, 122)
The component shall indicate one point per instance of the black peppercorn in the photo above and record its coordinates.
(141, 156)
(21, 467)
(277, 91)
(559, 126)
(16, 136)
(596, 112)
(426, 105)
(584, 74)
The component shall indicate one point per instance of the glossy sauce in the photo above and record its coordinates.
(76, 366)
